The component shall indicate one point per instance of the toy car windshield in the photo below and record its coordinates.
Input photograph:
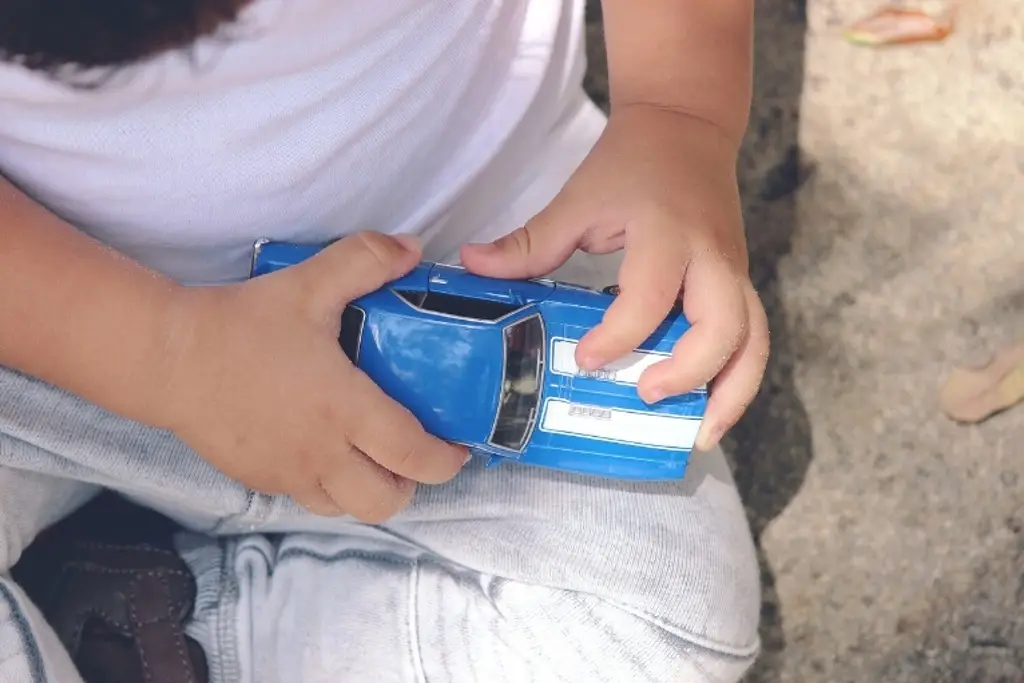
(521, 383)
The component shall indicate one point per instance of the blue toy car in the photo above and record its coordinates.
(490, 364)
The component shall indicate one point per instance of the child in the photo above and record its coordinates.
(148, 145)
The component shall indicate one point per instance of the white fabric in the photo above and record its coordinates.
(316, 118)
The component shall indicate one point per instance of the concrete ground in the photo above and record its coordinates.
(892, 540)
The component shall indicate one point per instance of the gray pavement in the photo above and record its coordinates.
(884, 194)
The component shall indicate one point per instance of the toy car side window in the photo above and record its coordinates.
(521, 383)
(461, 306)
(352, 320)
(412, 296)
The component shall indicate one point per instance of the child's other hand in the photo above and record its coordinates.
(259, 386)
(662, 185)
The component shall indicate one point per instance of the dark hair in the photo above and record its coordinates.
(65, 37)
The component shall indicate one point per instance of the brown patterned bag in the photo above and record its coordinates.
(108, 581)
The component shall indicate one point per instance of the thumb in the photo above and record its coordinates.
(353, 266)
(536, 249)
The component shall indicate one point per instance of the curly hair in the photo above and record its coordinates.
(59, 37)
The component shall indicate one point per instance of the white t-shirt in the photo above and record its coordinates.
(317, 118)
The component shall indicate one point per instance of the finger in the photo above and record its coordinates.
(716, 307)
(362, 488)
(356, 265)
(734, 388)
(649, 279)
(316, 499)
(391, 435)
(538, 248)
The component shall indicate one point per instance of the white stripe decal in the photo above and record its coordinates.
(626, 370)
(656, 430)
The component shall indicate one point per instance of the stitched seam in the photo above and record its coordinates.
(515, 625)
(293, 554)
(703, 642)
(36, 667)
(225, 626)
(124, 550)
(147, 676)
(178, 606)
(89, 568)
(139, 626)
(415, 646)
(254, 511)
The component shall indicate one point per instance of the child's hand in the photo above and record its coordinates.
(259, 386)
(662, 185)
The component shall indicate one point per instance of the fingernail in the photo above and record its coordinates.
(708, 437)
(410, 242)
(655, 396)
(486, 247)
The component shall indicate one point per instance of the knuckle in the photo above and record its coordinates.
(761, 332)
(627, 325)
(320, 507)
(408, 457)
(330, 416)
(679, 379)
(388, 500)
(326, 505)
(660, 288)
(404, 489)
(760, 336)
(735, 332)
(762, 347)
(420, 460)
(379, 247)
(520, 240)
(755, 304)
(329, 510)
(734, 325)
(408, 442)
(372, 515)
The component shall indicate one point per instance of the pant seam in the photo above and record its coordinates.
(739, 652)
(252, 513)
(415, 646)
(227, 630)
(703, 642)
(30, 646)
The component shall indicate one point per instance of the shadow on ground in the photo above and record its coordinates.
(771, 447)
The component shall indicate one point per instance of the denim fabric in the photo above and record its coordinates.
(510, 573)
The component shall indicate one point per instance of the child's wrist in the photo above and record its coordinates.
(131, 380)
(169, 345)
